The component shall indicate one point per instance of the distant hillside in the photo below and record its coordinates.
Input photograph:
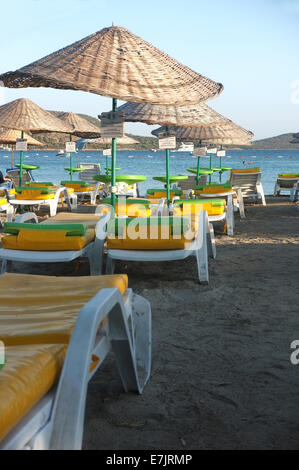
(57, 141)
(279, 142)
(53, 140)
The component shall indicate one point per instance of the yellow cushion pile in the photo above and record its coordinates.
(35, 327)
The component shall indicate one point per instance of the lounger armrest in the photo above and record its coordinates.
(69, 406)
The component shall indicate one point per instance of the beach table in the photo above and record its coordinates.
(130, 180)
(172, 179)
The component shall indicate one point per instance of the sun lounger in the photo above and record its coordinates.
(56, 334)
(59, 239)
(40, 196)
(286, 182)
(249, 182)
(158, 246)
(83, 189)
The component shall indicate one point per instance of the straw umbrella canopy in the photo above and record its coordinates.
(80, 128)
(225, 133)
(24, 115)
(125, 140)
(191, 115)
(10, 136)
(27, 116)
(114, 62)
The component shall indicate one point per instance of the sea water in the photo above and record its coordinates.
(149, 164)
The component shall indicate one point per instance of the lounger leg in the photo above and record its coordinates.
(241, 203)
(110, 265)
(261, 192)
(9, 213)
(201, 255)
(95, 258)
(211, 243)
(69, 407)
(230, 218)
(53, 208)
(276, 190)
(3, 266)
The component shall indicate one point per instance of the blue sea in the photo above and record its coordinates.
(149, 164)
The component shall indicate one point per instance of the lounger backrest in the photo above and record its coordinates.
(90, 170)
(190, 183)
(15, 175)
(245, 181)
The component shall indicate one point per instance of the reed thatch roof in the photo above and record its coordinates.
(226, 135)
(10, 136)
(125, 140)
(191, 115)
(80, 126)
(27, 116)
(114, 62)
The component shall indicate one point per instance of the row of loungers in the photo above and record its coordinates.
(56, 332)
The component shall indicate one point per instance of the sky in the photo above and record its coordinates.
(250, 46)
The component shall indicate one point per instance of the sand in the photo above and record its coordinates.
(221, 371)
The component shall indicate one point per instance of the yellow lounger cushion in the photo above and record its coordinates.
(246, 170)
(28, 194)
(46, 307)
(195, 208)
(29, 373)
(36, 326)
(289, 175)
(11, 192)
(73, 217)
(3, 201)
(78, 188)
(153, 238)
(47, 240)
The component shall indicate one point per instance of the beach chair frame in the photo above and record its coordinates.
(61, 192)
(93, 251)
(57, 421)
(202, 246)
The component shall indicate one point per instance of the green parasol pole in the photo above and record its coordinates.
(113, 166)
(167, 174)
(220, 173)
(71, 161)
(210, 177)
(198, 166)
(21, 161)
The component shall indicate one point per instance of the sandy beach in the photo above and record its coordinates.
(221, 371)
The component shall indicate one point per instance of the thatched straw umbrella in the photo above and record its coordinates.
(225, 133)
(114, 62)
(80, 128)
(192, 115)
(10, 136)
(24, 115)
(206, 123)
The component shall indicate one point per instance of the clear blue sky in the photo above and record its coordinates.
(251, 46)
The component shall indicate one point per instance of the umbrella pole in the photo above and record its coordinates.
(198, 170)
(167, 174)
(113, 155)
(21, 161)
(12, 156)
(71, 161)
(220, 172)
(198, 166)
(210, 177)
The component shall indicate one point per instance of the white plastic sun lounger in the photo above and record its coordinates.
(56, 422)
(93, 251)
(202, 246)
(71, 201)
(250, 185)
(228, 214)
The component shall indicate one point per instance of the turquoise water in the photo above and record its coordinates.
(151, 164)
